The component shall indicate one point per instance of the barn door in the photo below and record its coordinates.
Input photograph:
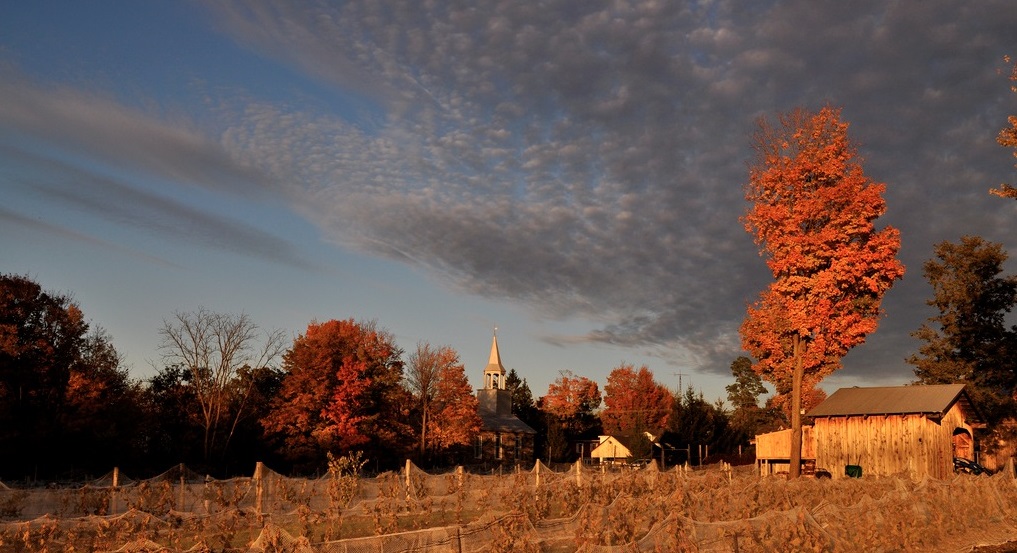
(963, 444)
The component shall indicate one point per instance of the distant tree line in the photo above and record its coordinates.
(230, 393)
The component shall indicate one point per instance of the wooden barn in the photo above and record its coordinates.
(773, 452)
(909, 430)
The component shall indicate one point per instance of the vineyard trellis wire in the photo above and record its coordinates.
(583, 508)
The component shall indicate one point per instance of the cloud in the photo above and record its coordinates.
(72, 142)
(111, 133)
(588, 158)
(583, 158)
(38, 226)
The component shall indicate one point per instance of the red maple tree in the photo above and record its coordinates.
(570, 397)
(454, 419)
(812, 216)
(634, 402)
(341, 392)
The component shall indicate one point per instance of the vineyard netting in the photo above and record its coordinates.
(579, 509)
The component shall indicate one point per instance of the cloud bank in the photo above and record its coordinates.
(585, 159)
(588, 158)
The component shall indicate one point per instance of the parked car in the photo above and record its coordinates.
(967, 466)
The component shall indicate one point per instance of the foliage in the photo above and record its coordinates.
(421, 379)
(104, 408)
(213, 347)
(1007, 137)
(570, 397)
(443, 398)
(523, 405)
(695, 421)
(341, 392)
(748, 386)
(455, 421)
(344, 477)
(812, 216)
(568, 410)
(968, 340)
(748, 418)
(175, 430)
(634, 402)
(64, 396)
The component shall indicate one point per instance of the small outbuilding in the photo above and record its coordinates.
(913, 430)
(612, 449)
(773, 452)
(618, 449)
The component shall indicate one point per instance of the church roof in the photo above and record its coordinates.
(494, 363)
(492, 422)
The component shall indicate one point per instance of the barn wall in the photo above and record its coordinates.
(777, 445)
(887, 445)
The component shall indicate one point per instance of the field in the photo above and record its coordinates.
(539, 509)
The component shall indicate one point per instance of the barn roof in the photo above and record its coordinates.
(932, 400)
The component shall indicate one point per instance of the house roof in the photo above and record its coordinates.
(932, 400)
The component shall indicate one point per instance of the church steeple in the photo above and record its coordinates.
(494, 374)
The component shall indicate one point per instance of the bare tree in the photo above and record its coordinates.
(421, 376)
(213, 347)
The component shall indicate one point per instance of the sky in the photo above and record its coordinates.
(571, 172)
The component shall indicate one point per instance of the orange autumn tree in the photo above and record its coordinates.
(568, 411)
(455, 421)
(443, 396)
(341, 392)
(571, 397)
(635, 402)
(1007, 138)
(812, 217)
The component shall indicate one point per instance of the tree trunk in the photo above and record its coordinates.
(796, 410)
(423, 434)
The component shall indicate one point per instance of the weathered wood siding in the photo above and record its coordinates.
(777, 445)
(911, 445)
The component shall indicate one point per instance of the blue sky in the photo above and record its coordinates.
(568, 171)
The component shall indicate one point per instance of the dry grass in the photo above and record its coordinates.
(589, 511)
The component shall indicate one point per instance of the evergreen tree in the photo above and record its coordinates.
(523, 404)
(968, 340)
(748, 418)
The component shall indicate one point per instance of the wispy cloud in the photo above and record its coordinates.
(91, 125)
(38, 226)
(79, 140)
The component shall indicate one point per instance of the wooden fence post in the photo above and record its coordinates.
(409, 485)
(181, 505)
(536, 470)
(113, 492)
(259, 468)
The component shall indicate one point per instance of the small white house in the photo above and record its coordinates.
(612, 449)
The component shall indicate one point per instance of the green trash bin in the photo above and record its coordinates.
(853, 471)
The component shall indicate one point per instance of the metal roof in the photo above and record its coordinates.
(930, 399)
